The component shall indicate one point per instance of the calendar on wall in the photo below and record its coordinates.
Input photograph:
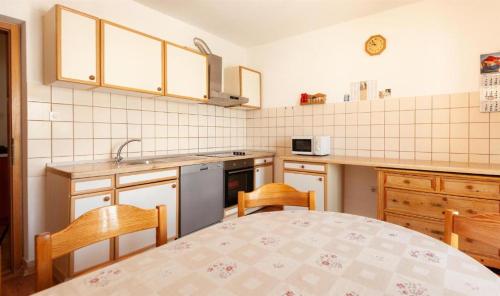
(489, 90)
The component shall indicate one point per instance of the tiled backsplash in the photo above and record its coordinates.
(444, 127)
(91, 125)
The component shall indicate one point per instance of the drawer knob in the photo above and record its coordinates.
(407, 224)
(470, 187)
(320, 179)
(174, 185)
(302, 166)
(106, 198)
(265, 160)
(471, 211)
(92, 77)
(257, 170)
(435, 204)
(406, 181)
(158, 88)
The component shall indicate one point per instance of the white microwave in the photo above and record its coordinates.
(311, 145)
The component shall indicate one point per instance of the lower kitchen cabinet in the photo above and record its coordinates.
(324, 179)
(308, 182)
(97, 253)
(147, 196)
(263, 175)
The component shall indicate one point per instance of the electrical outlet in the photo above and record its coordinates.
(53, 116)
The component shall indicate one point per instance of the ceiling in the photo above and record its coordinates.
(254, 22)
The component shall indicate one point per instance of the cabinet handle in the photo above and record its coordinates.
(204, 96)
(257, 170)
(438, 232)
(471, 211)
(106, 198)
(92, 77)
(469, 187)
(302, 166)
(158, 88)
(174, 185)
(320, 179)
(406, 181)
(265, 160)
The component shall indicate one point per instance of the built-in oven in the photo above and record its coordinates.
(238, 176)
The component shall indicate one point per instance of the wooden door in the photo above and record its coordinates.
(148, 196)
(250, 86)
(186, 73)
(308, 182)
(97, 253)
(131, 61)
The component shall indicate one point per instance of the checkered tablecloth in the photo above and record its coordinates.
(293, 253)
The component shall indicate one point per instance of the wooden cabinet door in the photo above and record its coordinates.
(186, 73)
(97, 253)
(132, 61)
(148, 196)
(263, 175)
(307, 182)
(250, 86)
(71, 48)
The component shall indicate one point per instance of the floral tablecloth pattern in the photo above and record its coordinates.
(293, 253)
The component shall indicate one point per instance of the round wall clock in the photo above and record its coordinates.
(375, 45)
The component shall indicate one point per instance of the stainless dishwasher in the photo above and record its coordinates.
(201, 196)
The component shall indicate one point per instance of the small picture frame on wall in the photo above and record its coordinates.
(490, 63)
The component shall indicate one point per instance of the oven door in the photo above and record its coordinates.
(303, 146)
(234, 181)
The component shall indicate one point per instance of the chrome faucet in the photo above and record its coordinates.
(119, 157)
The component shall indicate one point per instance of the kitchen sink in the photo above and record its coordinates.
(159, 159)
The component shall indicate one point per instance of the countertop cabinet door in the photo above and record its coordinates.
(132, 61)
(148, 197)
(250, 86)
(263, 175)
(97, 253)
(187, 73)
(308, 182)
(71, 48)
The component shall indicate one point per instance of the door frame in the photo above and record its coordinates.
(15, 147)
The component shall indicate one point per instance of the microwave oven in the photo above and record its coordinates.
(311, 145)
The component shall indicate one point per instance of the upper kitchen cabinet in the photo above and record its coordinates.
(71, 48)
(246, 82)
(131, 61)
(186, 73)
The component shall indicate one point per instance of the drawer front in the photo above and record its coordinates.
(261, 161)
(425, 183)
(471, 187)
(479, 248)
(89, 185)
(434, 205)
(432, 228)
(302, 166)
(145, 177)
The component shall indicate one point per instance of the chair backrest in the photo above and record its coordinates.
(484, 228)
(94, 226)
(275, 194)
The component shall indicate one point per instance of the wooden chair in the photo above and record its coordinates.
(94, 226)
(275, 194)
(483, 227)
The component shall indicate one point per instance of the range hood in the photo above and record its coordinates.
(215, 94)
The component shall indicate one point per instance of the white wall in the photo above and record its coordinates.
(433, 48)
(125, 12)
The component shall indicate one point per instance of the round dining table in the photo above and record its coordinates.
(293, 253)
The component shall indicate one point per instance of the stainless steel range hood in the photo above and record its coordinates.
(215, 94)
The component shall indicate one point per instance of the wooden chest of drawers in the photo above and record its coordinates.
(418, 199)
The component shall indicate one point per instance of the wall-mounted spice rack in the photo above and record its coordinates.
(307, 99)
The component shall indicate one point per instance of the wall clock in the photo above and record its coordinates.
(375, 45)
